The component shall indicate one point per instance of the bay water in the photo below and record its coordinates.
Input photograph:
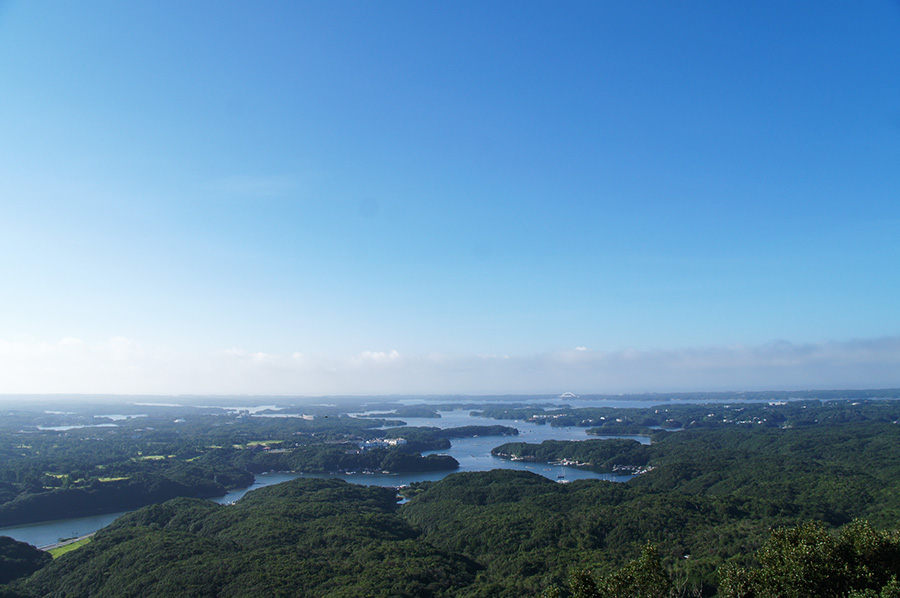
(473, 454)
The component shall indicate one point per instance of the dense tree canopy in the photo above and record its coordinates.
(308, 537)
(18, 559)
(697, 522)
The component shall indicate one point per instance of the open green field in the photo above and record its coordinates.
(61, 550)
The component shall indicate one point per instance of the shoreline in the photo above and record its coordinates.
(49, 547)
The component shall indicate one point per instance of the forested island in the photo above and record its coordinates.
(55, 465)
(770, 409)
(782, 498)
(605, 456)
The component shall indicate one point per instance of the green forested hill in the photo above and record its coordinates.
(530, 532)
(833, 473)
(54, 473)
(307, 537)
(18, 559)
(500, 533)
(713, 497)
(700, 521)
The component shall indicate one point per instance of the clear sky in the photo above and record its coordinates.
(314, 198)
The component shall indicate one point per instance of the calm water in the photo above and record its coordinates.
(473, 454)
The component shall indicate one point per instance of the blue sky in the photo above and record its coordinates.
(405, 197)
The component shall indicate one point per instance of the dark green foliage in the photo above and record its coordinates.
(780, 409)
(307, 537)
(713, 495)
(195, 453)
(330, 458)
(809, 561)
(597, 455)
(407, 411)
(643, 577)
(18, 559)
(529, 531)
(829, 473)
(430, 439)
(139, 488)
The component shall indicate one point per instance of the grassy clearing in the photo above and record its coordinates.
(263, 442)
(61, 550)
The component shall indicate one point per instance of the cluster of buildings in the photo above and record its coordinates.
(382, 443)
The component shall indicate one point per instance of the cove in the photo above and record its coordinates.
(473, 454)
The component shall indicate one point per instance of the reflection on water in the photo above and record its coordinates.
(51, 532)
(78, 427)
(473, 454)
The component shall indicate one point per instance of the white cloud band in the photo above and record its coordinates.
(122, 366)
